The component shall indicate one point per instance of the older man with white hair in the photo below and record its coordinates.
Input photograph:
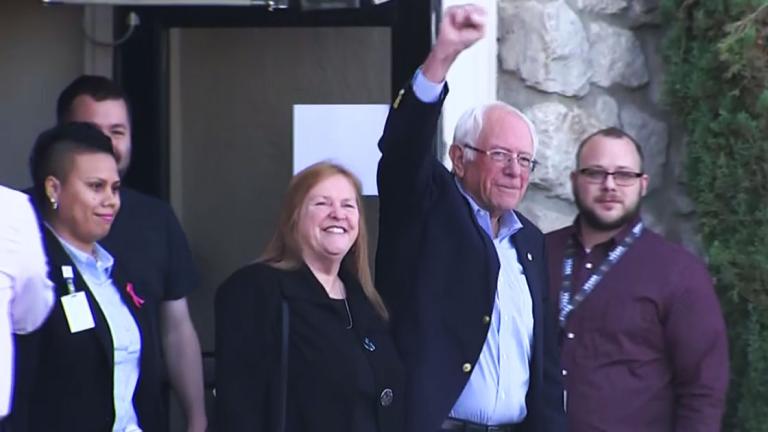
(465, 274)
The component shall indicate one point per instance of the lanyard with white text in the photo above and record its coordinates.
(569, 302)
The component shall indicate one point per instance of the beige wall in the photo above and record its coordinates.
(41, 51)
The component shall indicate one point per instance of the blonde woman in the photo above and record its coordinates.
(338, 370)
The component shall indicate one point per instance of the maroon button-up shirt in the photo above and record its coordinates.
(647, 349)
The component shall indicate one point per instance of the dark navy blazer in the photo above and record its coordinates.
(64, 380)
(438, 272)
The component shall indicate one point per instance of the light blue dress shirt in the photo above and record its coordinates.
(126, 339)
(495, 392)
(426, 90)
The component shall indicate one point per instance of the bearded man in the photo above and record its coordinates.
(642, 338)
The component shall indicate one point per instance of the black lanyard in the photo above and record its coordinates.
(569, 302)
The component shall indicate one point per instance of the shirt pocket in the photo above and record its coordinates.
(631, 325)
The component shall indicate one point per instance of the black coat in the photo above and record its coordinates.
(64, 381)
(321, 390)
(438, 272)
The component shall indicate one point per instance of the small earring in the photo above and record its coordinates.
(54, 204)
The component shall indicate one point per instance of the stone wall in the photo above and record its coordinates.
(575, 66)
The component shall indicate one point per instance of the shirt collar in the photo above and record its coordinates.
(101, 260)
(611, 242)
(509, 223)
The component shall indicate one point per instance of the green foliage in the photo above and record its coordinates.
(716, 52)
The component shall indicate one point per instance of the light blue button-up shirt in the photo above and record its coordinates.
(495, 392)
(126, 339)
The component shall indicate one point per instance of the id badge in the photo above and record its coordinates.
(77, 311)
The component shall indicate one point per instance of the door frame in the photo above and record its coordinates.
(141, 64)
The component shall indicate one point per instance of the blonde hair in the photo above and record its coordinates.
(284, 250)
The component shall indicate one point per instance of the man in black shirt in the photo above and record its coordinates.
(147, 237)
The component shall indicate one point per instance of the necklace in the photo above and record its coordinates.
(342, 295)
(349, 314)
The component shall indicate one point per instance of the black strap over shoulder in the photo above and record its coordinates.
(281, 423)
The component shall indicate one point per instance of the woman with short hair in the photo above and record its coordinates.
(95, 363)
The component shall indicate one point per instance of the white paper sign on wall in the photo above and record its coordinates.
(346, 134)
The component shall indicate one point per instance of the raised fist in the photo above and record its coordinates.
(460, 28)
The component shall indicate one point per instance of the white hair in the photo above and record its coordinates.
(471, 123)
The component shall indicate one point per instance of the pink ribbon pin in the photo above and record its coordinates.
(138, 301)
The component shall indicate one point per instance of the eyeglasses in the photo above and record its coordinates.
(504, 158)
(599, 176)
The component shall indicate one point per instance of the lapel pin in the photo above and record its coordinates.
(66, 272)
(396, 104)
(368, 344)
(530, 257)
(137, 301)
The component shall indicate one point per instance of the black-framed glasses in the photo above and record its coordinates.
(504, 158)
(620, 177)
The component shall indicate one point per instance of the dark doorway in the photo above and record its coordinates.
(210, 91)
(141, 64)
